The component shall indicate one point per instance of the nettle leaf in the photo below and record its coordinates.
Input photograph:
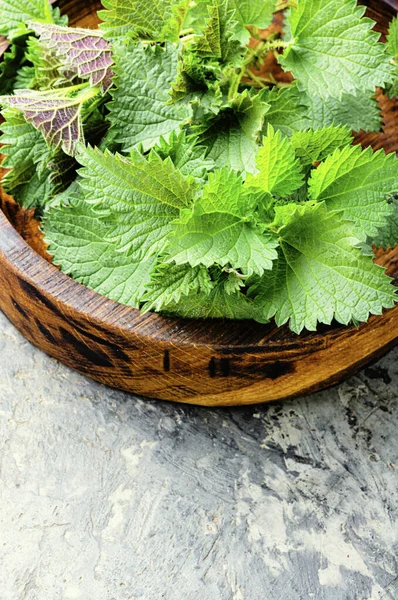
(218, 230)
(217, 304)
(356, 182)
(158, 20)
(320, 275)
(217, 40)
(140, 197)
(169, 282)
(15, 13)
(139, 111)
(232, 137)
(187, 157)
(392, 49)
(56, 114)
(257, 13)
(279, 171)
(360, 112)
(334, 50)
(387, 236)
(288, 112)
(392, 38)
(43, 71)
(83, 51)
(10, 64)
(77, 242)
(315, 146)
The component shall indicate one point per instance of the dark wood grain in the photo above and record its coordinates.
(204, 362)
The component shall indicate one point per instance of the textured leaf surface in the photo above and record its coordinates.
(83, 51)
(11, 62)
(387, 236)
(77, 239)
(320, 275)
(160, 20)
(360, 112)
(218, 304)
(169, 282)
(279, 172)
(139, 113)
(140, 198)
(288, 112)
(218, 231)
(15, 13)
(334, 49)
(311, 146)
(187, 157)
(252, 12)
(357, 182)
(392, 38)
(232, 137)
(55, 114)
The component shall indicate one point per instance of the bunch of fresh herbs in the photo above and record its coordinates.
(173, 174)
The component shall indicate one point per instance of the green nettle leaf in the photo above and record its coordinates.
(218, 231)
(387, 236)
(140, 197)
(218, 304)
(10, 64)
(43, 71)
(83, 52)
(279, 171)
(356, 183)
(216, 41)
(315, 146)
(333, 49)
(320, 275)
(288, 112)
(37, 173)
(15, 13)
(56, 114)
(158, 20)
(169, 282)
(360, 112)
(139, 112)
(232, 137)
(392, 49)
(257, 13)
(77, 242)
(187, 157)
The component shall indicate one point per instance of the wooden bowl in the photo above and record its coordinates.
(215, 363)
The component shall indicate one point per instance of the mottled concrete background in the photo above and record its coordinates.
(105, 496)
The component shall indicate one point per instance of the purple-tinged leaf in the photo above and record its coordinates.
(56, 116)
(84, 51)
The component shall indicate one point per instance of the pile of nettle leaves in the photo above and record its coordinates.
(172, 175)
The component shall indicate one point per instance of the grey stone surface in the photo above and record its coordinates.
(104, 496)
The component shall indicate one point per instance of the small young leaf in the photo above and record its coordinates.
(320, 274)
(216, 41)
(314, 146)
(279, 171)
(356, 183)
(169, 282)
(83, 51)
(187, 157)
(232, 137)
(334, 50)
(139, 111)
(387, 236)
(288, 112)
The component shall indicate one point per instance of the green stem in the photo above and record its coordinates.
(286, 4)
